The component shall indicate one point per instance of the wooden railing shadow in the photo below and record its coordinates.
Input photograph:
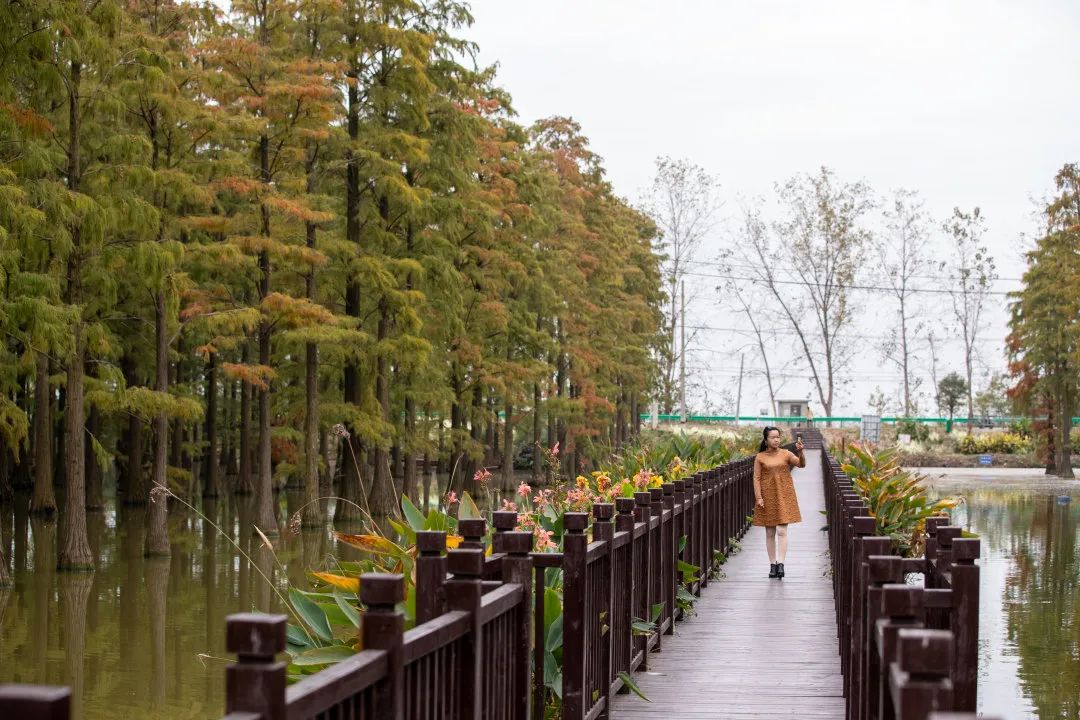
(478, 649)
(908, 649)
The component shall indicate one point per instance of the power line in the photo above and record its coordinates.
(716, 263)
(856, 336)
(868, 288)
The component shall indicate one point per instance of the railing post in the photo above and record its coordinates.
(517, 568)
(430, 575)
(965, 621)
(35, 702)
(465, 592)
(604, 531)
(255, 682)
(658, 544)
(919, 679)
(575, 547)
(901, 607)
(383, 628)
(863, 527)
(881, 569)
(643, 576)
(628, 584)
(669, 552)
(472, 534)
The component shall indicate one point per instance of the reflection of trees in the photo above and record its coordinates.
(157, 588)
(74, 593)
(1042, 589)
(41, 582)
(1044, 619)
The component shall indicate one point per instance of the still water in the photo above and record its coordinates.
(1029, 614)
(144, 638)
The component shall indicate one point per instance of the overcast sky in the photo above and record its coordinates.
(970, 103)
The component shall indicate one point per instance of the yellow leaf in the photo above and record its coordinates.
(371, 544)
(352, 584)
(452, 541)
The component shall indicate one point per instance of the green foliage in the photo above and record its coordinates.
(920, 432)
(895, 497)
(952, 389)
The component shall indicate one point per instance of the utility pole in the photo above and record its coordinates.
(682, 357)
(738, 394)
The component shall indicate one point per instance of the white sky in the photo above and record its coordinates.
(970, 103)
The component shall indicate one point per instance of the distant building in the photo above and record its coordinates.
(791, 408)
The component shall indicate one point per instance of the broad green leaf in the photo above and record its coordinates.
(552, 605)
(310, 613)
(655, 610)
(323, 656)
(296, 636)
(347, 607)
(554, 639)
(467, 509)
(631, 685)
(413, 516)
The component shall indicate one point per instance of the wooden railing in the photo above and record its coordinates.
(907, 651)
(478, 647)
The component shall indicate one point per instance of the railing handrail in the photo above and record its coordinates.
(905, 649)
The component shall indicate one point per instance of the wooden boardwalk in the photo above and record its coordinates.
(756, 648)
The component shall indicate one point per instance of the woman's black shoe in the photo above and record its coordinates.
(780, 570)
(772, 570)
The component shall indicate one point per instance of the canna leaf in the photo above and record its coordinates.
(352, 584)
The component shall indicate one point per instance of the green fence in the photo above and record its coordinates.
(997, 420)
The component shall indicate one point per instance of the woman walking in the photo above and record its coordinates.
(777, 505)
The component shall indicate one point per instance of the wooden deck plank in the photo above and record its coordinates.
(755, 647)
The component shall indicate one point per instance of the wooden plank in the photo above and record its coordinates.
(755, 647)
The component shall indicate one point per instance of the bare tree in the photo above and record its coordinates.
(902, 251)
(809, 263)
(932, 344)
(971, 274)
(683, 201)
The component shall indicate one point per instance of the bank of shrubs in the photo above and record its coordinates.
(1008, 443)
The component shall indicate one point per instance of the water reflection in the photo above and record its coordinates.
(1030, 610)
(141, 637)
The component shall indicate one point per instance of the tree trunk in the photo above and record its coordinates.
(508, 449)
(74, 546)
(94, 472)
(312, 515)
(1064, 449)
(383, 499)
(536, 462)
(409, 479)
(211, 468)
(43, 501)
(245, 482)
(265, 517)
(74, 551)
(157, 533)
(352, 489)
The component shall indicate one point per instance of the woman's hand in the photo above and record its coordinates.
(799, 446)
(760, 503)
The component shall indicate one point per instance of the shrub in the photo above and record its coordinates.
(919, 432)
(1005, 443)
(895, 497)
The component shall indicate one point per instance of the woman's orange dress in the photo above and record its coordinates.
(772, 470)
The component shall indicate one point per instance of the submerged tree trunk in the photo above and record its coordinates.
(245, 483)
(157, 534)
(211, 469)
(43, 501)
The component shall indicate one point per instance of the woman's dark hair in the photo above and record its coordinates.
(765, 437)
